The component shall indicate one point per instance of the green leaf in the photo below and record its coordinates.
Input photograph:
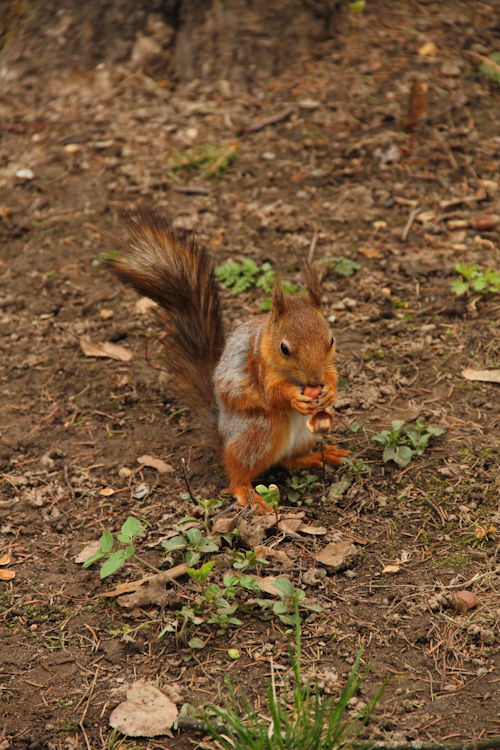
(433, 430)
(177, 542)
(106, 542)
(195, 536)
(196, 643)
(192, 557)
(129, 551)
(94, 558)
(113, 563)
(284, 585)
(130, 529)
(404, 455)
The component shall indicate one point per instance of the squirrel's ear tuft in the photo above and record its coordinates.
(311, 281)
(279, 306)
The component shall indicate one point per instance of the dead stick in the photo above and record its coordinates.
(411, 219)
(272, 120)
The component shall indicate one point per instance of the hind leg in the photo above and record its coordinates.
(331, 454)
(240, 485)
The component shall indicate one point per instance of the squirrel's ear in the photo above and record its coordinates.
(279, 306)
(311, 281)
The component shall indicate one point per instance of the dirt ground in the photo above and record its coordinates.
(337, 175)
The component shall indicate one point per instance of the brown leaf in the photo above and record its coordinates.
(155, 463)
(306, 528)
(105, 349)
(271, 552)
(390, 570)
(153, 592)
(485, 221)
(464, 600)
(417, 106)
(485, 376)
(87, 552)
(224, 524)
(266, 584)
(5, 559)
(147, 712)
(428, 49)
(251, 534)
(335, 554)
(369, 252)
(7, 575)
(126, 588)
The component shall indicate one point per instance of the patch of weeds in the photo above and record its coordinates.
(117, 741)
(244, 560)
(491, 70)
(211, 159)
(483, 534)
(215, 605)
(128, 533)
(291, 599)
(193, 544)
(342, 266)
(301, 485)
(457, 561)
(475, 279)
(240, 276)
(401, 443)
(127, 633)
(300, 718)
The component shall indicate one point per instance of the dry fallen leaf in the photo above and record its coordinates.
(5, 559)
(369, 252)
(417, 106)
(130, 586)
(105, 349)
(87, 551)
(335, 554)
(107, 492)
(428, 49)
(485, 376)
(390, 570)
(7, 575)
(266, 583)
(147, 712)
(306, 528)
(155, 463)
(153, 592)
(463, 600)
(271, 552)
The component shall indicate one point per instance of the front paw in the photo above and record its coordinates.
(327, 396)
(304, 404)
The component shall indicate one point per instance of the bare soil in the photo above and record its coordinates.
(338, 175)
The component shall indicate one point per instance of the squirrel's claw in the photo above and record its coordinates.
(304, 404)
(248, 496)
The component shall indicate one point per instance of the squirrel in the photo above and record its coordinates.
(269, 386)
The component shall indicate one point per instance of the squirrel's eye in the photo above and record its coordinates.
(285, 350)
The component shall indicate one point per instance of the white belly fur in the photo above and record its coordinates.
(300, 440)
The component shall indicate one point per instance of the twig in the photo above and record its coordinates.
(191, 189)
(91, 693)
(66, 478)
(272, 120)
(409, 223)
(185, 468)
(312, 246)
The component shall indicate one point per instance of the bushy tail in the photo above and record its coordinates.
(173, 270)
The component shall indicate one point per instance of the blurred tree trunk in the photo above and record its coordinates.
(243, 41)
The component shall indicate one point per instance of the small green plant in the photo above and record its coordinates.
(117, 741)
(300, 485)
(300, 718)
(475, 279)
(211, 159)
(342, 266)
(240, 276)
(271, 495)
(192, 543)
(491, 70)
(402, 443)
(128, 533)
(244, 560)
(357, 466)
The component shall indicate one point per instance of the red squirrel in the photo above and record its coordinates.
(270, 385)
